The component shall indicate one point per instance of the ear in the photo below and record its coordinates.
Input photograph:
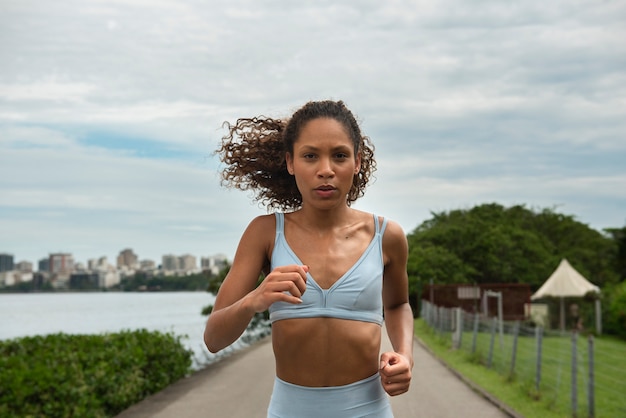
(357, 166)
(289, 161)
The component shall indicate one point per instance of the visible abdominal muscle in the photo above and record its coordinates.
(321, 352)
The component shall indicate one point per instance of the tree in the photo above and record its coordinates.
(614, 308)
(216, 281)
(619, 236)
(493, 244)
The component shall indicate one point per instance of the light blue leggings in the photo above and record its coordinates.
(365, 398)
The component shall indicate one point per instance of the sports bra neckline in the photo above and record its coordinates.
(280, 218)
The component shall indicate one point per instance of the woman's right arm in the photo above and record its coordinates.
(239, 297)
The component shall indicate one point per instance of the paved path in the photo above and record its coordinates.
(241, 385)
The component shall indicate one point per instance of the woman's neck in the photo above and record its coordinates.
(322, 219)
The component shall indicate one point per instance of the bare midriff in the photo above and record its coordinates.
(322, 352)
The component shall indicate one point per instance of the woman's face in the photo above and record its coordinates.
(323, 162)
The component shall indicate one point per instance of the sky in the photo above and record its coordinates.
(110, 111)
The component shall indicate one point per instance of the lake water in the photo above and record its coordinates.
(95, 313)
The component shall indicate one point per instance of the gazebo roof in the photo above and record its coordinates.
(565, 282)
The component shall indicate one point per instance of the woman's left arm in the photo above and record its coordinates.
(396, 366)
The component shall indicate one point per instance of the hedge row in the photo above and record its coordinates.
(63, 375)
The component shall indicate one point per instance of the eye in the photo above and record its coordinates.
(341, 155)
(308, 156)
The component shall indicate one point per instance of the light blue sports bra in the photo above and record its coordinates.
(357, 295)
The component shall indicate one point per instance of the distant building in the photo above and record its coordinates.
(184, 264)
(79, 267)
(98, 264)
(24, 267)
(214, 264)
(187, 263)
(61, 267)
(108, 278)
(13, 277)
(84, 281)
(169, 262)
(108, 275)
(61, 263)
(147, 265)
(6, 262)
(92, 264)
(127, 258)
(8, 278)
(39, 279)
(44, 265)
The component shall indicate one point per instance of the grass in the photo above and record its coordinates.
(517, 388)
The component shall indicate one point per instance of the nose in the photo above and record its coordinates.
(325, 168)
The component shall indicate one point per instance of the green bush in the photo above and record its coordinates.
(63, 375)
(614, 307)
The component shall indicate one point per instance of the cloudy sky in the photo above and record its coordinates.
(110, 111)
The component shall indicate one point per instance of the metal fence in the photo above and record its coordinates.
(565, 371)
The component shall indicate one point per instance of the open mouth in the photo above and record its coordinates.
(325, 188)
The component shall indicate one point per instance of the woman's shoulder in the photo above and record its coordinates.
(395, 245)
(394, 235)
(258, 236)
(263, 223)
(392, 226)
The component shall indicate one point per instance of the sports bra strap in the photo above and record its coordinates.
(280, 222)
(380, 229)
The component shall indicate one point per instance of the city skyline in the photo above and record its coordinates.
(110, 111)
(198, 259)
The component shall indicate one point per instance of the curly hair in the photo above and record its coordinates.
(254, 154)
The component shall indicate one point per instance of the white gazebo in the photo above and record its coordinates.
(567, 282)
